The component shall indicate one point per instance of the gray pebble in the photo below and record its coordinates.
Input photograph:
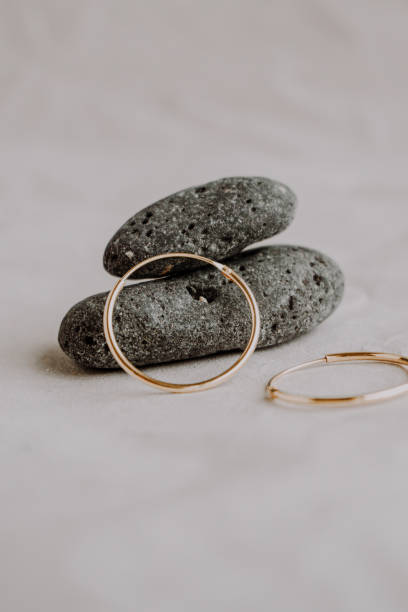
(201, 313)
(217, 220)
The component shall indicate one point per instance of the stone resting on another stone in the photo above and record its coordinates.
(218, 220)
(201, 313)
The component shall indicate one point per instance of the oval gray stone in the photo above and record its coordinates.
(201, 313)
(217, 220)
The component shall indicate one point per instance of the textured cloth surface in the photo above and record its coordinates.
(115, 497)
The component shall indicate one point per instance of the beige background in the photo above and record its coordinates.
(117, 498)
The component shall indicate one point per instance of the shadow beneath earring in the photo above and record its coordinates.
(317, 409)
(54, 362)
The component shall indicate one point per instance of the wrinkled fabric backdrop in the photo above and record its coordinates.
(115, 497)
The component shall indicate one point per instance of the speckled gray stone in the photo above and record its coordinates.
(201, 313)
(218, 220)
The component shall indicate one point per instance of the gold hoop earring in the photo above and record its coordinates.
(126, 365)
(390, 358)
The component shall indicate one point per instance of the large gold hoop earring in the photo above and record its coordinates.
(177, 387)
(274, 393)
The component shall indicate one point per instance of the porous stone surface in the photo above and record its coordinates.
(217, 220)
(201, 313)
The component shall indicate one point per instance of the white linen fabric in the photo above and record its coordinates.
(115, 497)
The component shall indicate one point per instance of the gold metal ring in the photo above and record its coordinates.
(176, 387)
(390, 358)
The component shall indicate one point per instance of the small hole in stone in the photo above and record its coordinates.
(242, 268)
(202, 294)
(89, 340)
(291, 302)
(274, 327)
(312, 264)
(147, 217)
(149, 233)
(288, 271)
(317, 279)
(227, 238)
(191, 226)
(200, 189)
(205, 230)
(253, 209)
(249, 201)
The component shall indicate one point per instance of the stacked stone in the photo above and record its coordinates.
(195, 311)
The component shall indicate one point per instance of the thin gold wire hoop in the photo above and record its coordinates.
(390, 358)
(126, 365)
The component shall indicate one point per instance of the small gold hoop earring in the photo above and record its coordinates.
(274, 393)
(177, 387)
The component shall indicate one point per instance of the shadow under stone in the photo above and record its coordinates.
(54, 362)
